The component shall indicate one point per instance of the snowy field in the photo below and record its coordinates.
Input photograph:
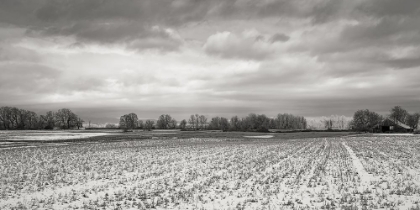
(46, 135)
(380, 172)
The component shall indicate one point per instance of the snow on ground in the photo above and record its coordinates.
(47, 136)
(260, 137)
(393, 134)
(322, 173)
(365, 177)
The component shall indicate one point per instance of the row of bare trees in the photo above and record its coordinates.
(12, 118)
(165, 121)
(131, 121)
(197, 122)
(252, 122)
(335, 122)
(258, 122)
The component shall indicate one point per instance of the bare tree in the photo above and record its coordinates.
(224, 124)
(365, 120)
(399, 114)
(32, 120)
(215, 123)
(141, 124)
(6, 117)
(110, 126)
(413, 120)
(49, 119)
(172, 124)
(234, 123)
(183, 124)
(165, 121)
(128, 121)
(161, 122)
(15, 118)
(328, 124)
(202, 121)
(197, 121)
(289, 121)
(66, 118)
(79, 123)
(149, 125)
(192, 121)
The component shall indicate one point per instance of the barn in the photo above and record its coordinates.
(393, 126)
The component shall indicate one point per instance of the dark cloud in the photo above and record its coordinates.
(403, 63)
(107, 21)
(381, 8)
(386, 29)
(279, 37)
(104, 22)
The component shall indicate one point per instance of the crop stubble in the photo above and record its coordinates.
(206, 173)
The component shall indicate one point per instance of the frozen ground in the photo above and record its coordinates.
(393, 134)
(46, 135)
(381, 172)
(260, 137)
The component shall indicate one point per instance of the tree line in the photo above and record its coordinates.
(366, 120)
(12, 118)
(131, 121)
(252, 122)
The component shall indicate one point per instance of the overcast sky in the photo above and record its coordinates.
(216, 57)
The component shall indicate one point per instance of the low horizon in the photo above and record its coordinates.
(147, 115)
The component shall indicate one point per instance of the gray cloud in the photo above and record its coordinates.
(279, 37)
(126, 20)
(394, 30)
(9, 53)
(104, 22)
(381, 8)
(308, 57)
(27, 78)
(404, 62)
(245, 46)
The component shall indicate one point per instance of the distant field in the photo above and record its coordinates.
(377, 172)
(10, 139)
(45, 136)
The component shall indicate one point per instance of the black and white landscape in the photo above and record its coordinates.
(217, 104)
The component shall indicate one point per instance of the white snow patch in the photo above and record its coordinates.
(260, 137)
(53, 136)
(393, 134)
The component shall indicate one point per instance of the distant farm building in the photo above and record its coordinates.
(393, 126)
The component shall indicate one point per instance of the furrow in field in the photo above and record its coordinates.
(365, 177)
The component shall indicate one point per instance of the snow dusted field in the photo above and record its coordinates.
(45, 135)
(381, 172)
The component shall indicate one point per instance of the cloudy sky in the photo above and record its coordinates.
(105, 58)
